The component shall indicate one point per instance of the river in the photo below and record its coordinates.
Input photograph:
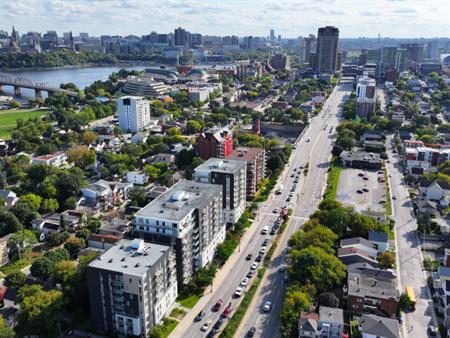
(80, 76)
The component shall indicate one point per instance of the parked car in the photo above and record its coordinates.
(227, 311)
(365, 190)
(200, 316)
(249, 257)
(239, 290)
(267, 306)
(359, 191)
(254, 266)
(259, 258)
(276, 210)
(251, 332)
(206, 325)
(432, 330)
(244, 282)
(282, 268)
(265, 242)
(250, 274)
(217, 306)
(263, 250)
(218, 324)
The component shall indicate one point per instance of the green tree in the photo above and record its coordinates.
(74, 244)
(296, 299)
(386, 260)
(16, 280)
(32, 200)
(22, 240)
(315, 266)
(57, 238)
(6, 331)
(81, 156)
(65, 270)
(8, 223)
(193, 127)
(319, 236)
(49, 205)
(137, 196)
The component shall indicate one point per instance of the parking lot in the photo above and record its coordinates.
(362, 190)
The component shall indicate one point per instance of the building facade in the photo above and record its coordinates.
(365, 96)
(131, 287)
(215, 143)
(256, 167)
(189, 218)
(327, 49)
(231, 174)
(134, 113)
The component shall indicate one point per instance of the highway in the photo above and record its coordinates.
(314, 148)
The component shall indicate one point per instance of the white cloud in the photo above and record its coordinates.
(290, 18)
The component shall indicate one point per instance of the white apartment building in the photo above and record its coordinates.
(189, 218)
(134, 113)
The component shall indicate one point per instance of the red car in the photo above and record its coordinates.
(217, 306)
(227, 311)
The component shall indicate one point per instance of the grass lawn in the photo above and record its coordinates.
(8, 119)
(388, 204)
(188, 300)
(29, 258)
(332, 182)
(163, 330)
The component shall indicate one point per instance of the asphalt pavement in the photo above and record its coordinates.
(314, 148)
(410, 269)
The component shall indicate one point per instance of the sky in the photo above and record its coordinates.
(290, 18)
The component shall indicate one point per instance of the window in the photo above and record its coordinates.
(157, 222)
(174, 225)
(359, 300)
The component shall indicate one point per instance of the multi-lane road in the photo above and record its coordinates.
(314, 148)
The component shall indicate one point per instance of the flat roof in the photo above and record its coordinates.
(331, 315)
(245, 153)
(363, 286)
(224, 165)
(131, 257)
(179, 200)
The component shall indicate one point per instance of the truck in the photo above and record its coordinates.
(412, 298)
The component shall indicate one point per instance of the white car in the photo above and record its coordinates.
(206, 325)
(254, 266)
(244, 282)
(282, 268)
(263, 250)
(267, 306)
(275, 211)
(239, 291)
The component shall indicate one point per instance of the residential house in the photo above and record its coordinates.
(352, 255)
(328, 323)
(107, 191)
(370, 294)
(73, 219)
(137, 177)
(57, 159)
(372, 326)
(9, 197)
(139, 138)
(102, 242)
(364, 269)
(434, 190)
(4, 259)
(380, 239)
(169, 159)
(361, 244)
(441, 283)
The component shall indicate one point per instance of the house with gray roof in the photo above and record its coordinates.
(375, 326)
(329, 322)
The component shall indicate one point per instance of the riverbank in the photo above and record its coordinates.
(124, 64)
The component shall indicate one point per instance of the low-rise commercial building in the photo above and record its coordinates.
(131, 287)
(231, 175)
(361, 159)
(189, 218)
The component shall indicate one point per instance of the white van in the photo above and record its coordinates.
(265, 230)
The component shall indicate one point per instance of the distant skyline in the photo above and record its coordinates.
(290, 18)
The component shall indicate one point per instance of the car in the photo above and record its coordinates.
(200, 316)
(308, 139)
(250, 274)
(249, 257)
(282, 268)
(211, 334)
(291, 194)
(259, 258)
(218, 324)
(289, 199)
(296, 180)
(394, 197)
(238, 291)
(361, 174)
(251, 332)
(365, 189)
(273, 231)
(267, 306)
(265, 242)
(381, 172)
(295, 169)
(365, 178)
(254, 266)
(227, 311)
(432, 330)
(263, 250)
(359, 191)
(206, 325)
(276, 210)
(244, 282)
(292, 175)
(217, 306)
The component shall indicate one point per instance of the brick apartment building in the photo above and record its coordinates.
(215, 143)
(256, 167)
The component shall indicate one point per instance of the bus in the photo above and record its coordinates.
(410, 293)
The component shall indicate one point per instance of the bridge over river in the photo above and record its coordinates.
(19, 82)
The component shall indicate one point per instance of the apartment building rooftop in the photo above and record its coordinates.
(131, 257)
(179, 200)
(245, 154)
(221, 165)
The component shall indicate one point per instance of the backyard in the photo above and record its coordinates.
(8, 119)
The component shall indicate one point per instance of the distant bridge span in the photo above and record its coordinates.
(38, 87)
